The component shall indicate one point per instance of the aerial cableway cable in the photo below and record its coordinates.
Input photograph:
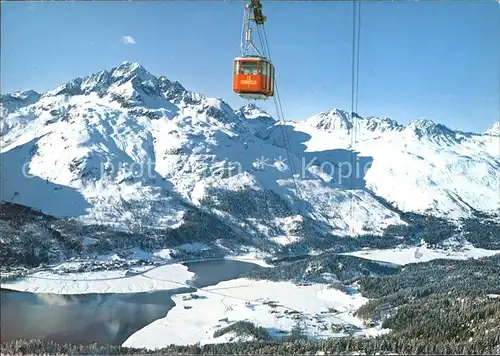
(261, 30)
(356, 26)
(252, 85)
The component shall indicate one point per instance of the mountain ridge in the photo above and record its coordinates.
(109, 127)
(128, 70)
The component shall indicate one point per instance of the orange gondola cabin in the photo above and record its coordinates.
(253, 77)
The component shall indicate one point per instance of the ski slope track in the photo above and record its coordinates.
(123, 147)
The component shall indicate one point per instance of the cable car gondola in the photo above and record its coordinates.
(253, 77)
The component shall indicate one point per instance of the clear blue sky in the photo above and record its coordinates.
(417, 59)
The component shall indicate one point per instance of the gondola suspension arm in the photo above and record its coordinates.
(246, 33)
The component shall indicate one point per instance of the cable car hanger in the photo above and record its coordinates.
(254, 8)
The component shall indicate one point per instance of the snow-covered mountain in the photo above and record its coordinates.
(494, 130)
(421, 167)
(123, 147)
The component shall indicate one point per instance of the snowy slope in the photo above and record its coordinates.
(494, 130)
(126, 148)
(423, 167)
(244, 299)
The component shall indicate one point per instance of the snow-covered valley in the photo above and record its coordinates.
(209, 314)
(200, 312)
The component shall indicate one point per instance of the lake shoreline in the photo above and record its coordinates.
(120, 308)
